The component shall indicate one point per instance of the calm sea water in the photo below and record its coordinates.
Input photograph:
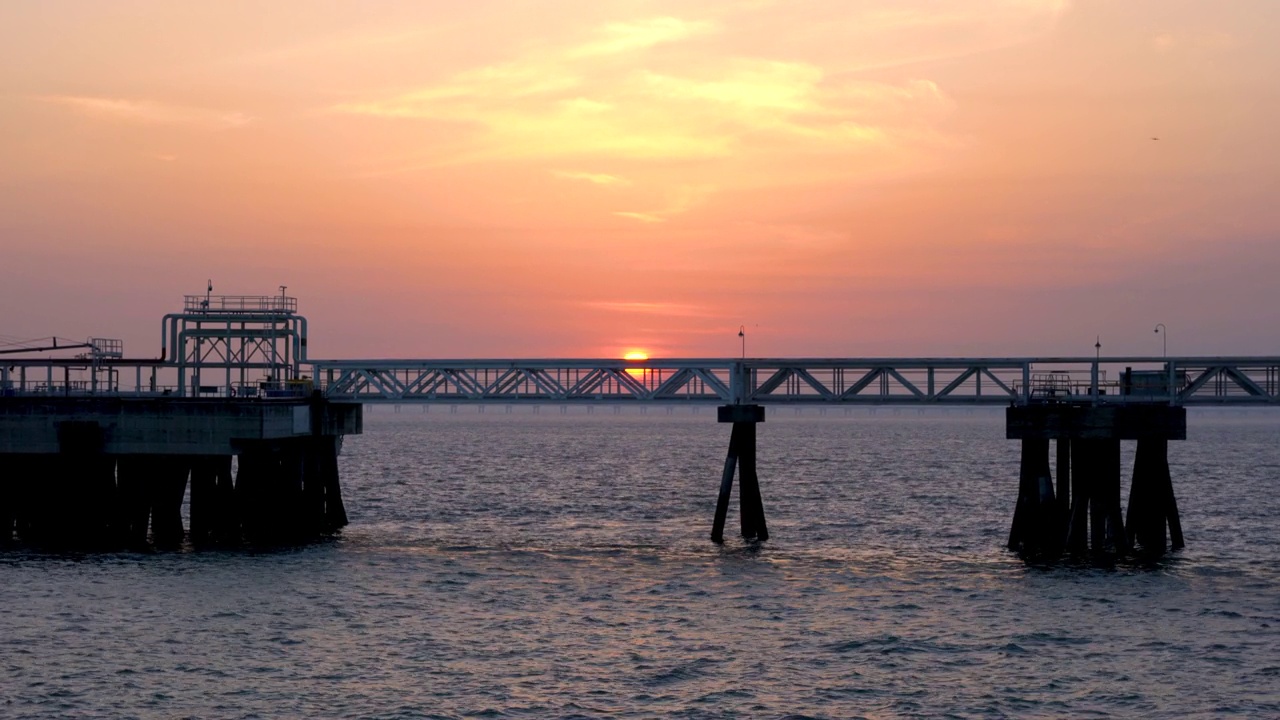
(520, 566)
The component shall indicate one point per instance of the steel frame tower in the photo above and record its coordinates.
(219, 340)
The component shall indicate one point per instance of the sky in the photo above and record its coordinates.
(584, 178)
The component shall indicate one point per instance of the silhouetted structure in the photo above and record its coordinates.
(85, 457)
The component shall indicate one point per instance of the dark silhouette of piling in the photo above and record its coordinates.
(1063, 450)
(1081, 480)
(214, 520)
(121, 482)
(1037, 522)
(742, 455)
(726, 487)
(1088, 508)
(1152, 505)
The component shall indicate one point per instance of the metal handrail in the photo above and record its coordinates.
(239, 304)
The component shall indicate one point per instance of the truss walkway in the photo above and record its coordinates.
(900, 381)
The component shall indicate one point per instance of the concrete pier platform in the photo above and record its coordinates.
(164, 426)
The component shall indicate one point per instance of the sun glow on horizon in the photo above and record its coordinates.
(635, 355)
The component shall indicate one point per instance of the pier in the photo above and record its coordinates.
(99, 449)
(89, 460)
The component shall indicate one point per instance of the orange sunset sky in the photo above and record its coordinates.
(582, 178)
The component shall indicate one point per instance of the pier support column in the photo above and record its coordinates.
(335, 511)
(150, 493)
(133, 508)
(742, 454)
(1096, 521)
(213, 511)
(1082, 463)
(288, 490)
(1151, 500)
(255, 493)
(78, 495)
(1107, 500)
(10, 480)
(168, 485)
(1063, 475)
(1037, 522)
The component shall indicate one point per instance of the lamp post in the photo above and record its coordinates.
(742, 335)
(1164, 338)
(1097, 359)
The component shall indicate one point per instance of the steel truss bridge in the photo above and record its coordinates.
(255, 347)
(816, 381)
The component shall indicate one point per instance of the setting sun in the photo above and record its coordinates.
(635, 355)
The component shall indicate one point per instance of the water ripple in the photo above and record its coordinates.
(501, 566)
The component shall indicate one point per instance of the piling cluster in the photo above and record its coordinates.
(83, 499)
(1082, 514)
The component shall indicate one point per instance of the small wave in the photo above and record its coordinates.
(680, 673)
(1210, 612)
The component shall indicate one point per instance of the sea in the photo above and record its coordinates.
(547, 562)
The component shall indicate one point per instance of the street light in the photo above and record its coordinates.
(742, 335)
(1097, 360)
(1164, 337)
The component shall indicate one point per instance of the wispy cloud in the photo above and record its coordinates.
(594, 178)
(649, 308)
(642, 217)
(623, 37)
(148, 112)
(565, 103)
(683, 198)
